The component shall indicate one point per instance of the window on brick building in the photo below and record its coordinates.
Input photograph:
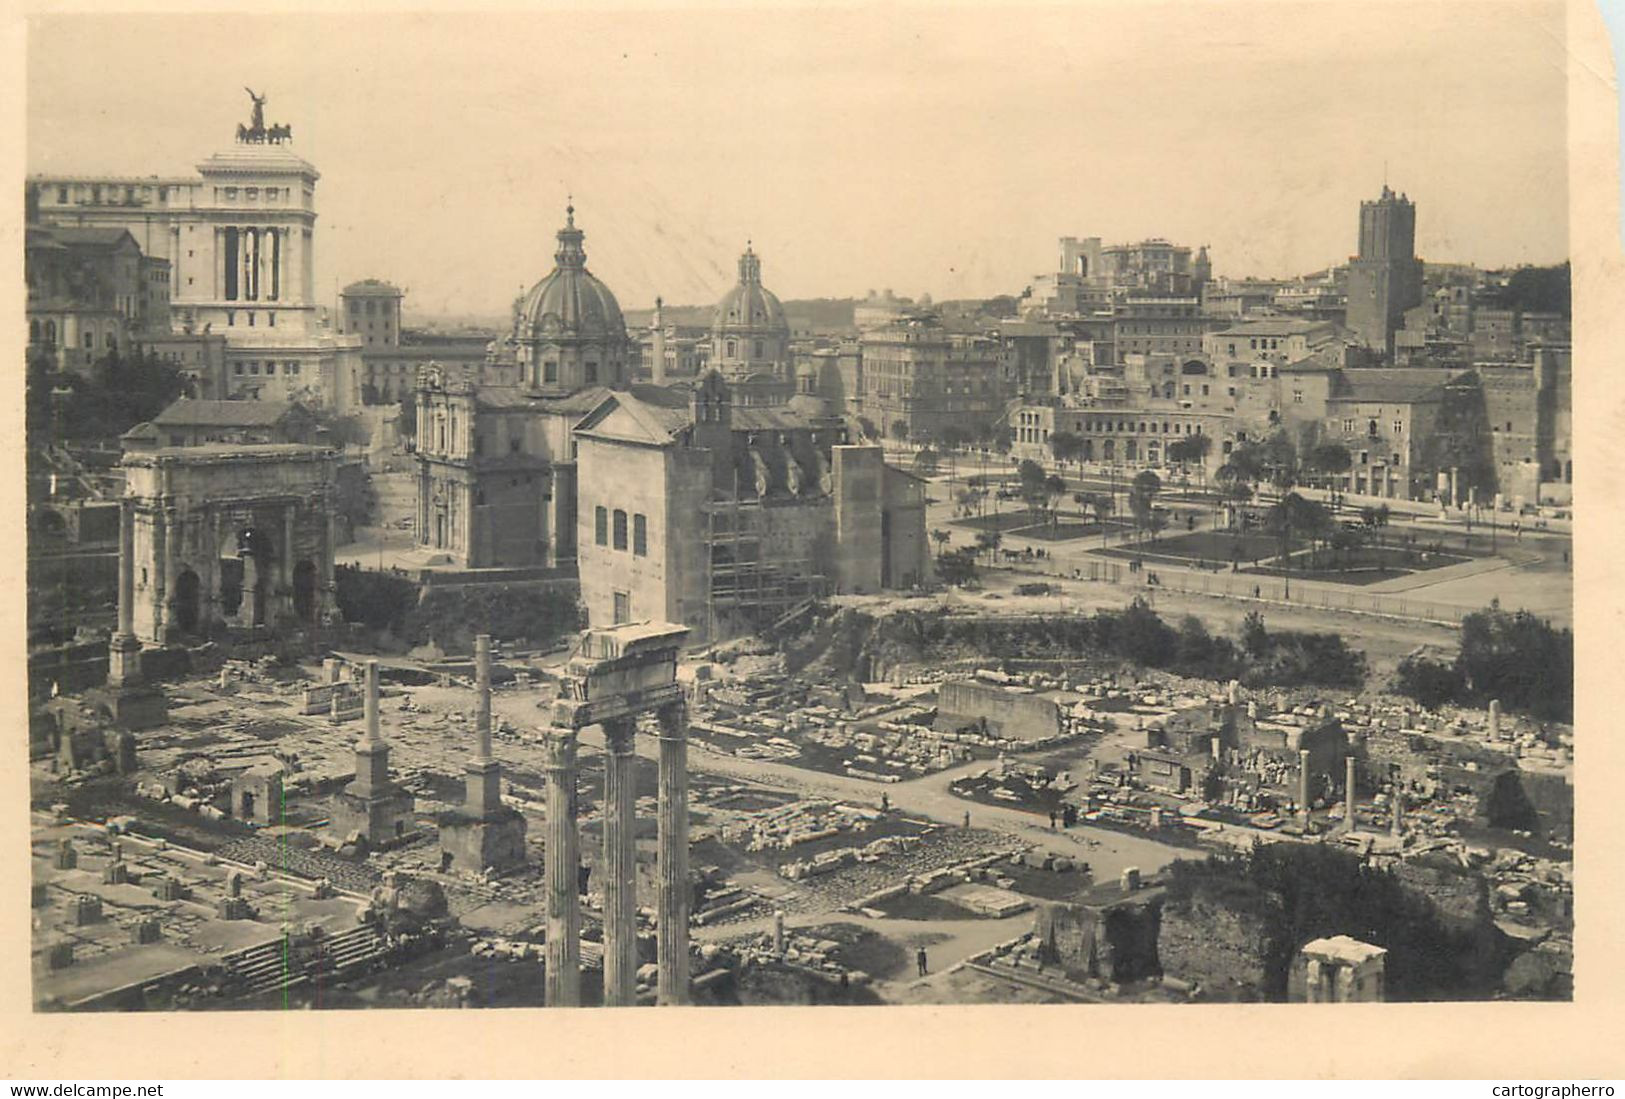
(600, 526)
(640, 535)
(620, 529)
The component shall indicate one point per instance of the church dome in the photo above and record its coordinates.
(750, 307)
(570, 303)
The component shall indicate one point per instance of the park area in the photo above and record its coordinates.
(1260, 554)
(1061, 528)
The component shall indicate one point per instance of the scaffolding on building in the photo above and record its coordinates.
(751, 587)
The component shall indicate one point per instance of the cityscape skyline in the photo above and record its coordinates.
(986, 198)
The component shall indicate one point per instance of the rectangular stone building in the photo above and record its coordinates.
(721, 518)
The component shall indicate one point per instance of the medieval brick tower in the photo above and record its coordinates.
(1385, 278)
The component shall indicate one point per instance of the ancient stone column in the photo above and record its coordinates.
(620, 864)
(563, 890)
(369, 703)
(126, 568)
(672, 937)
(1348, 795)
(124, 649)
(371, 751)
(483, 775)
(161, 551)
(1303, 785)
(482, 690)
(287, 549)
(1398, 816)
(778, 932)
(1495, 720)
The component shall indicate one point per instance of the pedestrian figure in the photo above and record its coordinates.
(967, 818)
(1052, 820)
(919, 959)
(1258, 592)
(885, 803)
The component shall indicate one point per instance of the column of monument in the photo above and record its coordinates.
(287, 555)
(620, 863)
(1303, 785)
(563, 890)
(484, 777)
(160, 570)
(672, 933)
(1349, 820)
(124, 652)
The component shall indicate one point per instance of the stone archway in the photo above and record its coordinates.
(186, 602)
(304, 591)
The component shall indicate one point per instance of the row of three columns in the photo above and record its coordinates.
(563, 957)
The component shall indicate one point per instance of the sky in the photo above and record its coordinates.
(927, 150)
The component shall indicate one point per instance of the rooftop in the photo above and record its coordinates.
(1275, 326)
(375, 288)
(1388, 385)
(188, 412)
(1344, 948)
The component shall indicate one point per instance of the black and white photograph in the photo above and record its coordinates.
(799, 506)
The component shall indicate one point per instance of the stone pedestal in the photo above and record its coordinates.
(672, 933)
(495, 841)
(130, 702)
(124, 660)
(562, 860)
(132, 707)
(620, 865)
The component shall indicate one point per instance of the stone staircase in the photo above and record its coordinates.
(269, 968)
(264, 968)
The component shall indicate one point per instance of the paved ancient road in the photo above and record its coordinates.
(1107, 851)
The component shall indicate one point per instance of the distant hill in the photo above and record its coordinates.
(804, 315)
(453, 322)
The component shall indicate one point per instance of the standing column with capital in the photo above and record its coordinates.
(620, 863)
(124, 651)
(563, 889)
(126, 567)
(672, 933)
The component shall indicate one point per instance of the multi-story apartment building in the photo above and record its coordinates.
(918, 378)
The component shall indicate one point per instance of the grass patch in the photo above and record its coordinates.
(1004, 521)
(925, 906)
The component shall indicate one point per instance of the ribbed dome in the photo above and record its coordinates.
(749, 306)
(570, 303)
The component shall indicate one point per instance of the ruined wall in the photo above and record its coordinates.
(859, 488)
(1552, 795)
(1008, 714)
(908, 557)
(1459, 901)
(1225, 946)
(1114, 942)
